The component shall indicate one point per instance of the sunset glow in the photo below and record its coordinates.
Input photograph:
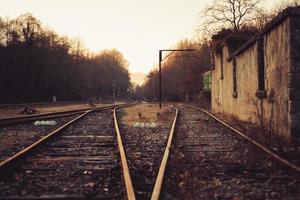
(136, 28)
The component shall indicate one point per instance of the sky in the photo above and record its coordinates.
(137, 28)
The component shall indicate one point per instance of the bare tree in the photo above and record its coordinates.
(181, 72)
(233, 14)
(2, 32)
(282, 4)
(263, 16)
(36, 63)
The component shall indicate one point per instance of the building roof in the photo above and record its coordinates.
(290, 11)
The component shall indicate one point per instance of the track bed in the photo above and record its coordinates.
(209, 162)
(144, 145)
(14, 138)
(82, 162)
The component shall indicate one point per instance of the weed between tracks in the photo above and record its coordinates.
(145, 113)
(144, 145)
(289, 151)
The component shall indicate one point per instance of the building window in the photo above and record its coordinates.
(222, 72)
(206, 77)
(261, 93)
(212, 60)
(234, 94)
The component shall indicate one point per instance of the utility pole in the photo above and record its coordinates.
(160, 60)
(113, 90)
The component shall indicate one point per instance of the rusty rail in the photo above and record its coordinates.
(15, 120)
(159, 180)
(11, 163)
(8, 165)
(258, 145)
(126, 173)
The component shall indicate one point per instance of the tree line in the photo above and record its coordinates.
(182, 71)
(36, 64)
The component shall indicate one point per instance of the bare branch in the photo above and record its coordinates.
(230, 13)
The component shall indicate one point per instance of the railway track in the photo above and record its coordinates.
(30, 118)
(81, 162)
(41, 104)
(210, 161)
(14, 138)
(145, 149)
(103, 156)
(276, 157)
(18, 133)
(78, 161)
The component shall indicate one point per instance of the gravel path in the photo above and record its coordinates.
(209, 162)
(81, 163)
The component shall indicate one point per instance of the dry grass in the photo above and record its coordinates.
(147, 113)
(275, 143)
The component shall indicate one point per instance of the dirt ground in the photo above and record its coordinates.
(207, 161)
(145, 113)
(9, 112)
(81, 163)
(145, 129)
(289, 151)
(277, 144)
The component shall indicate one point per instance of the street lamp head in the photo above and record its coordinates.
(177, 50)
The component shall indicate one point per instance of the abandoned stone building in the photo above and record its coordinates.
(260, 79)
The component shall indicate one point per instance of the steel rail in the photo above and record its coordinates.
(276, 157)
(22, 119)
(126, 173)
(11, 163)
(42, 103)
(15, 120)
(159, 180)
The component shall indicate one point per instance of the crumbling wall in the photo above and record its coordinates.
(247, 81)
(277, 63)
(217, 88)
(294, 78)
(276, 96)
(223, 97)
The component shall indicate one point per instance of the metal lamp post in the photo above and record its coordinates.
(160, 59)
